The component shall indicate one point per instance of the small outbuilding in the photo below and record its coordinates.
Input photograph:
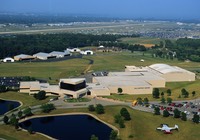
(8, 59)
(73, 50)
(87, 52)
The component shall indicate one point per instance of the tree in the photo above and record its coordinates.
(157, 111)
(120, 90)
(41, 95)
(169, 100)
(27, 112)
(13, 120)
(156, 93)
(183, 116)
(177, 113)
(184, 93)
(165, 113)
(2, 88)
(193, 93)
(46, 108)
(169, 92)
(195, 118)
(162, 94)
(146, 101)
(163, 100)
(5, 119)
(93, 137)
(99, 109)
(91, 108)
(113, 135)
(19, 114)
(124, 112)
(139, 100)
(117, 118)
(121, 123)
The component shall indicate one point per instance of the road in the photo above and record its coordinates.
(60, 104)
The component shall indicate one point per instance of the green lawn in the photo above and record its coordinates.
(74, 67)
(142, 126)
(55, 70)
(26, 99)
(77, 100)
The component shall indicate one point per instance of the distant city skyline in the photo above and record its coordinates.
(158, 9)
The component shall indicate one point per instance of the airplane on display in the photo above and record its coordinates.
(166, 129)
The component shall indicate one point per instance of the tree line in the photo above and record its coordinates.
(31, 44)
(182, 49)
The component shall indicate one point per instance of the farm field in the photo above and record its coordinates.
(147, 42)
(142, 126)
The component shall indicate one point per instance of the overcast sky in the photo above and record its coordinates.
(182, 9)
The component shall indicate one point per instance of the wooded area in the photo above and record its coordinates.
(31, 44)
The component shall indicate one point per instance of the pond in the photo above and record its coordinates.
(69, 127)
(6, 105)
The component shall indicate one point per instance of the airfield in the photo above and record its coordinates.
(155, 29)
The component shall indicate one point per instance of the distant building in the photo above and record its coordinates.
(8, 59)
(101, 47)
(87, 52)
(73, 50)
(43, 56)
(23, 57)
(60, 54)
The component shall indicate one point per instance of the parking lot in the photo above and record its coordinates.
(189, 107)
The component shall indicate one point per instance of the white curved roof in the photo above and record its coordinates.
(164, 68)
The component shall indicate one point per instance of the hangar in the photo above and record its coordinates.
(23, 57)
(8, 59)
(43, 56)
(60, 54)
(141, 80)
(172, 73)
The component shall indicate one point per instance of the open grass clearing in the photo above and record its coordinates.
(141, 40)
(142, 126)
(45, 70)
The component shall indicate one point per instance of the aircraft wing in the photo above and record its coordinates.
(159, 128)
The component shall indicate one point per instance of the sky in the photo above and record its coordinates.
(166, 9)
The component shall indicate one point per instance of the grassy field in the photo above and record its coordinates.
(74, 67)
(26, 99)
(141, 127)
(147, 42)
(104, 61)
(55, 70)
